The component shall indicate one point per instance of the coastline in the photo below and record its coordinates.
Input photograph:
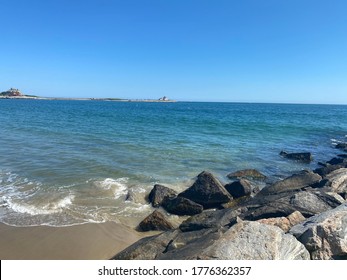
(78, 242)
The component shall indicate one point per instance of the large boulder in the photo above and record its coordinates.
(182, 206)
(159, 193)
(309, 203)
(155, 221)
(252, 174)
(243, 241)
(303, 157)
(207, 191)
(337, 181)
(325, 170)
(294, 182)
(240, 188)
(147, 248)
(284, 223)
(325, 234)
(211, 219)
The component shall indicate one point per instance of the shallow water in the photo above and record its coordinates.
(72, 162)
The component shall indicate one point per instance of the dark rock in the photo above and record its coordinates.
(207, 191)
(308, 202)
(155, 221)
(341, 146)
(181, 206)
(147, 248)
(294, 182)
(324, 235)
(241, 188)
(303, 157)
(342, 155)
(338, 161)
(211, 219)
(324, 171)
(247, 174)
(159, 193)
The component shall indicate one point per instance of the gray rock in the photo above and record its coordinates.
(207, 191)
(325, 234)
(241, 188)
(337, 181)
(303, 157)
(338, 161)
(247, 174)
(155, 221)
(294, 182)
(147, 248)
(182, 206)
(308, 202)
(324, 171)
(159, 193)
(211, 219)
(243, 241)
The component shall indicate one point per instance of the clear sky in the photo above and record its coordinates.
(232, 50)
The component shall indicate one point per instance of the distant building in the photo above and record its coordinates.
(12, 92)
(164, 98)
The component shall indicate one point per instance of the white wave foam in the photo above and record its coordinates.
(49, 208)
(118, 186)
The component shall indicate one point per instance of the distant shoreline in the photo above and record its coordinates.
(86, 99)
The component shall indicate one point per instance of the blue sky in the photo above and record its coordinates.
(236, 50)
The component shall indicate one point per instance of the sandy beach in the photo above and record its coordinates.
(81, 242)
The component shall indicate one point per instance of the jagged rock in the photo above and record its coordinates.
(134, 197)
(337, 181)
(338, 161)
(324, 171)
(325, 234)
(281, 222)
(155, 221)
(207, 191)
(303, 157)
(147, 248)
(308, 202)
(182, 206)
(294, 182)
(211, 219)
(247, 174)
(159, 193)
(243, 241)
(241, 188)
(295, 218)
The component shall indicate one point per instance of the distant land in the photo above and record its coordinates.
(14, 93)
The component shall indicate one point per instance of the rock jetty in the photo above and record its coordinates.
(301, 217)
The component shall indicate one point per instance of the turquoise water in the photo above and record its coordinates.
(71, 162)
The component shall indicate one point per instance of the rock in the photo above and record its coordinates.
(155, 221)
(281, 222)
(241, 188)
(294, 182)
(159, 193)
(341, 146)
(295, 218)
(147, 248)
(323, 171)
(342, 155)
(303, 157)
(134, 197)
(325, 234)
(207, 191)
(243, 241)
(182, 206)
(211, 219)
(337, 181)
(308, 202)
(247, 174)
(338, 161)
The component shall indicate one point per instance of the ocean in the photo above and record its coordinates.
(66, 162)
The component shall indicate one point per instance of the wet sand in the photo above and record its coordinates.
(81, 242)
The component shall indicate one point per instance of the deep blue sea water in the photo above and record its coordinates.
(71, 162)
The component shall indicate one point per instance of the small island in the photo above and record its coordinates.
(15, 93)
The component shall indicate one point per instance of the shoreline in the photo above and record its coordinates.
(79, 242)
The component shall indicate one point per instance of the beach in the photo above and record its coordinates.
(79, 242)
